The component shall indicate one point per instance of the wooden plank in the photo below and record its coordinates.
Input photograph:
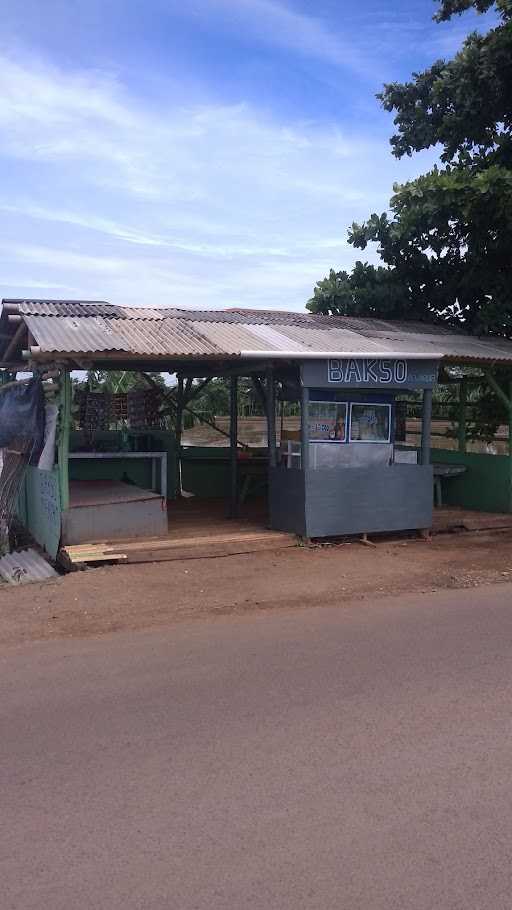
(165, 542)
(204, 552)
(165, 550)
(487, 523)
(272, 537)
(99, 557)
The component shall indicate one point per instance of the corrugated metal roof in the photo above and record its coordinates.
(314, 338)
(92, 334)
(84, 308)
(24, 567)
(93, 328)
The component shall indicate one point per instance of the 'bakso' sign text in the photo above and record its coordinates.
(368, 371)
(385, 373)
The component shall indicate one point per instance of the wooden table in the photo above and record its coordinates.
(445, 471)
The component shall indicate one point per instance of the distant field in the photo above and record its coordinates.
(253, 432)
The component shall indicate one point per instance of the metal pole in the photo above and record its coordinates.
(304, 429)
(426, 426)
(233, 436)
(271, 418)
(462, 415)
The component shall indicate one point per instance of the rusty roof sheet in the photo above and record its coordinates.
(94, 328)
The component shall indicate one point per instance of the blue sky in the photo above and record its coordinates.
(204, 153)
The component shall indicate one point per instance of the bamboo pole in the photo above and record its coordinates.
(63, 444)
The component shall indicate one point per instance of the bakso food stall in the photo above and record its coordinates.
(344, 472)
(348, 475)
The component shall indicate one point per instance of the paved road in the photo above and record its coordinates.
(356, 758)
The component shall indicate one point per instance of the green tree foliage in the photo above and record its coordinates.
(447, 242)
(213, 400)
(367, 291)
(451, 8)
(118, 380)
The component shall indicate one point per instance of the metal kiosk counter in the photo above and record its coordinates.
(347, 476)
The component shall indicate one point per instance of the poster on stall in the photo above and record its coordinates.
(327, 421)
(370, 422)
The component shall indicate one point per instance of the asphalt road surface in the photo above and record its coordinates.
(356, 758)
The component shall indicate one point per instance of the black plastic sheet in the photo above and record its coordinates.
(22, 417)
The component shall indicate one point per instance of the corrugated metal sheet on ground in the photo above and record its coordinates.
(25, 567)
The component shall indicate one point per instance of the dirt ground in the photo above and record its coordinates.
(100, 600)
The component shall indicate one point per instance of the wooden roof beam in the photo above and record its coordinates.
(15, 341)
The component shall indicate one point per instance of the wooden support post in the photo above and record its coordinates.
(170, 397)
(426, 426)
(178, 430)
(15, 341)
(233, 449)
(196, 390)
(499, 391)
(63, 444)
(463, 395)
(260, 392)
(426, 432)
(304, 429)
(271, 418)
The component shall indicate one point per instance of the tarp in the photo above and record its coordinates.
(47, 457)
(22, 417)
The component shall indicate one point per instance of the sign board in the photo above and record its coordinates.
(369, 373)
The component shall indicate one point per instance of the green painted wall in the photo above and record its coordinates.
(40, 508)
(205, 471)
(485, 484)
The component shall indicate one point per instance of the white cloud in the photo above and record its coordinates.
(279, 25)
(89, 221)
(215, 205)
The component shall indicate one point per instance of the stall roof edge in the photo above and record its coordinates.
(97, 330)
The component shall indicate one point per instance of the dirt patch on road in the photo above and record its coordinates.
(130, 597)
